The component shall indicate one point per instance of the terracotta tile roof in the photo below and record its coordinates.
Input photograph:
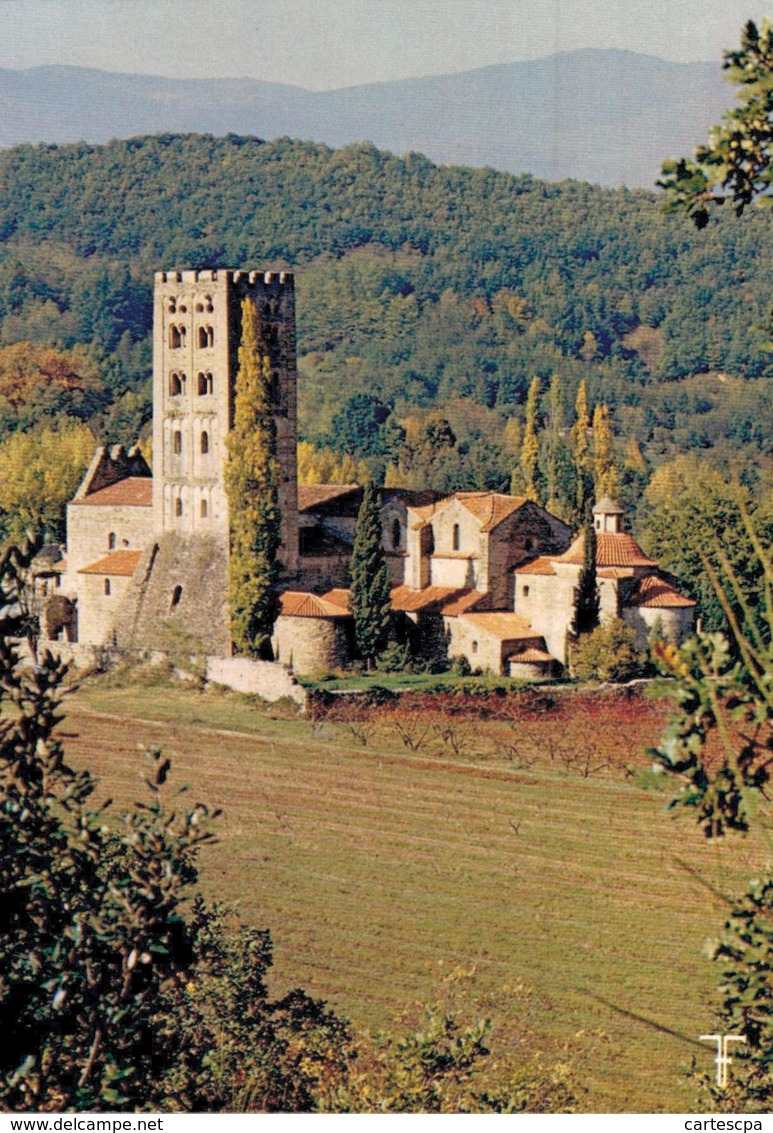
(654, 592)
(543, 565)
(612, 550)
(490, 508)
(505, 626)
(533, 656)
(117, 562)
(425, 511)
(313, 495)
(411, 497)
(410, 601)
(615, 572)
(134, 491)
(466, 601)
(338, 597)
(300, 604)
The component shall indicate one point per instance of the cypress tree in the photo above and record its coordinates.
(581, 448)
(251, 482)
(530, 443)
(586, 613)
(370, 600)
(605, 473)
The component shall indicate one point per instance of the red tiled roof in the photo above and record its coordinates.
(505, 626)
(532, 656)
(338, 597)
(134, 491)
(426, 511)
(313, 495)
(654, 592)
(410, 601)
(543, 565)
(615, 572)
(613, 549)
(490, 508)
(117, 563)
(466, 601)
(300, 604)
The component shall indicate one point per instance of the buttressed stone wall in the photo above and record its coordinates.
(178, 593)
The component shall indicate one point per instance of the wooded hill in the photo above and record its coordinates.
(422, 290)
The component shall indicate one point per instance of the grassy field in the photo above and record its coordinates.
(381, 857)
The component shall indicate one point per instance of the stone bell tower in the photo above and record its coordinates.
(196, 335)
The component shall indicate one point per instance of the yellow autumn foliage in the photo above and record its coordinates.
(39, 472)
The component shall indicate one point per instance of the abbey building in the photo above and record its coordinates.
(481, 575)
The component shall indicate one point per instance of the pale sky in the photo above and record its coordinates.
(323, 44)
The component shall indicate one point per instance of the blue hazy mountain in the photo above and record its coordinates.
(597, 115)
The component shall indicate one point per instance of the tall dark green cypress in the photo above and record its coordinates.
(370, 599)
(586, 613)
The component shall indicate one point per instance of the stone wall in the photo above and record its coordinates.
(529, 531)
(676, 623)
(179, 587)
(312, 645)
(100, 603)
(322, 572)
(260, 678)
(482, 650)
(89, 527)
(547, 602)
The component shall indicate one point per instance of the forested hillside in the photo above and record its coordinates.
(428, 297)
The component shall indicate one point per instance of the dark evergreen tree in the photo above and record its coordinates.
(586, 614)
(370, 600)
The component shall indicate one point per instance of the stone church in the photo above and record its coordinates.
(479, 575)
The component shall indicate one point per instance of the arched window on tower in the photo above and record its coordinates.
(204, 443)
(274, 388)
(204, 383)
(206, 338)
(107, 587)
(396, 534)
(177, 442)
(457, 537)
(175, 338)
(176, 384)
(204, 509)
(111, 541)
(178, 506)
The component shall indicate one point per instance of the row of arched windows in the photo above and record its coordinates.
(205, 337)
(201, 305)
(177, 442)
(204, 383)
(184, 501)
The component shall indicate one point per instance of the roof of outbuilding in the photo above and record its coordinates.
(301, 604)
(504, 626)
(654, 592)
(116, 563)
(532, 656)
(134, 491)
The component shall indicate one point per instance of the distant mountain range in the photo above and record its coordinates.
(596, 115)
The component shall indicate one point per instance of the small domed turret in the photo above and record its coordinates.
(608, 516)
